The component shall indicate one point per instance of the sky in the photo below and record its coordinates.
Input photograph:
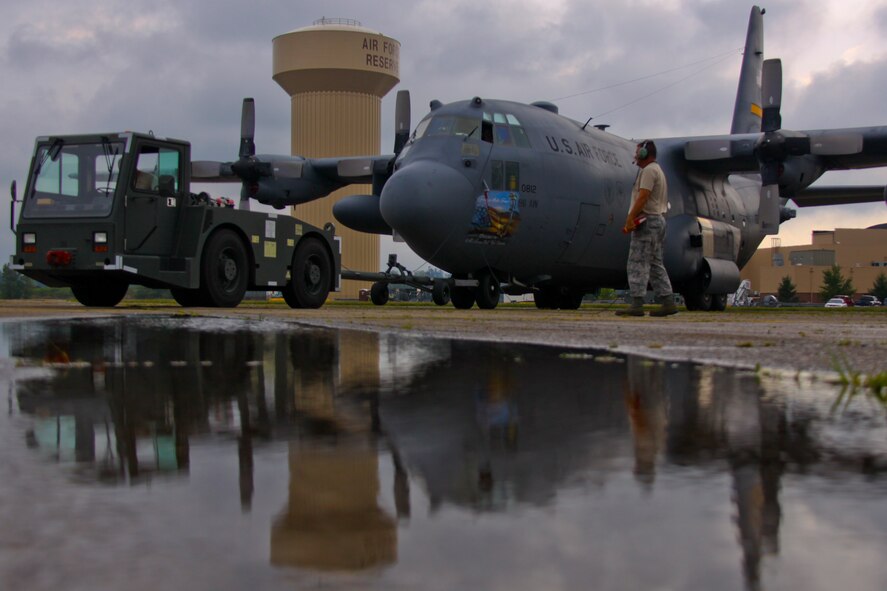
(648, 68)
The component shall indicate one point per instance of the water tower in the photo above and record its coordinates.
(336, 73)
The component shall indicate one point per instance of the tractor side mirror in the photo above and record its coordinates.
(13, 193)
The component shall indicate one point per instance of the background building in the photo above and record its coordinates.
(861, 254)
(336, 73)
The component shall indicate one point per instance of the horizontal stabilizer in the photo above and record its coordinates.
(814, 196)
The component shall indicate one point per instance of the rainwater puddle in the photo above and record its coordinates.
(150, 453)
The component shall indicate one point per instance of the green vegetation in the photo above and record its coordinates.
(834, 283)
(879, 288)
(787, 291)
(14, 285)
(854, 382)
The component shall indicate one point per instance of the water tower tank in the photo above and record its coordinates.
(336, 73)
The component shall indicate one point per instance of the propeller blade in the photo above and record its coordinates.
(770, 173)
(836, 145)
(716, 149)
(207, 171)
(707, 149)
(248, 128)
(357, 167)
(769, 209)
(401, 120)
(771, 95)
(286, 169)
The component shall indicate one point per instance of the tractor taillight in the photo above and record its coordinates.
(100, 242)
(29, 242)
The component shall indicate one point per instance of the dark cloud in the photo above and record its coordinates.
(181, 69)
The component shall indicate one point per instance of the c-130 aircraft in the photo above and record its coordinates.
(517, 198)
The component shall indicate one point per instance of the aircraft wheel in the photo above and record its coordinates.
(379, 293)
(697, 301)
(440, 292)
(186, 298)
(102, 295)
(718, 302)
(544, 299)
(462, 297)
(309, 283)
(224, 270)
(570, 299)
(488, 290)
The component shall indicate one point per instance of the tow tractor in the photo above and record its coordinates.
(103, 211)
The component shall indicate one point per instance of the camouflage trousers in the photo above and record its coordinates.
(645, 259)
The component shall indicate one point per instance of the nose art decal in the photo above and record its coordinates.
(496, 217)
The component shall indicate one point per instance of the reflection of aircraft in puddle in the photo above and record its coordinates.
(578, 422)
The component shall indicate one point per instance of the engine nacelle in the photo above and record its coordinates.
(797, 173)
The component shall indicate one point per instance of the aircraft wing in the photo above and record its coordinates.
(837, 195)
(795, 159)
(280, 181)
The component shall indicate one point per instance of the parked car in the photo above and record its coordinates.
(836, 303)
(867, 300)
(847, 299)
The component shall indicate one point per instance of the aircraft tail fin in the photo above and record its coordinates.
(747, 111)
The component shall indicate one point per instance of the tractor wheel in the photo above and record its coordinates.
(310, 276)
(224, 270)
(105, 294)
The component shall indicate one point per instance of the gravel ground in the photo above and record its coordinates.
(814, 340)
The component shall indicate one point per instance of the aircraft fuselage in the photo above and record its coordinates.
(537, 199)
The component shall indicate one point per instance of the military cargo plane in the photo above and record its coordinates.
(515, 198)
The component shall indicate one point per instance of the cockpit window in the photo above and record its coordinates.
(421, 128)
(504, 129)
(452, 125)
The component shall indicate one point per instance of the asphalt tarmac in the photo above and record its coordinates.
(831, 342)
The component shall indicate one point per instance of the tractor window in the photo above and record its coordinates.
(157, 170)
(73, 180)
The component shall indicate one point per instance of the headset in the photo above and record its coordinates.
(643, 152)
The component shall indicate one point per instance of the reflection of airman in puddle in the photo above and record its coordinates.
(754, 429)
(498, 421)
(56, 354)
(332, 520)
(646, 414)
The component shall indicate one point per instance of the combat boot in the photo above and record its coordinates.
(636, 308)
(667, 308)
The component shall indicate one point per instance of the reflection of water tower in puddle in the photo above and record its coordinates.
(336, 73)
(332, 520)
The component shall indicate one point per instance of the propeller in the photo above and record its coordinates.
(250, 170)
(775, 147)
(401, 121)
(280, 181)
(362, 212)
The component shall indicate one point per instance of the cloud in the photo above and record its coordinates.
(181, 69)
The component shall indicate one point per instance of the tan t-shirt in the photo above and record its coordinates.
(652, 178)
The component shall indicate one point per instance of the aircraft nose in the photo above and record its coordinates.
(426, 201)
